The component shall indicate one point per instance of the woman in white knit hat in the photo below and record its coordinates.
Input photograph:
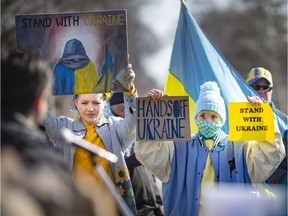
(186, 168)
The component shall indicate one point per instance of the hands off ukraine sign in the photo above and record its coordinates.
(165, 119)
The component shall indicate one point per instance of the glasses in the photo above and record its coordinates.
(266, 88)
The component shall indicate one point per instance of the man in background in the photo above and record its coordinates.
(260, 79)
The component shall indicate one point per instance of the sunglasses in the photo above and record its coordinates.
(264, 88)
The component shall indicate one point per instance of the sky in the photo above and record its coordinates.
(162, 20)
(164, 16)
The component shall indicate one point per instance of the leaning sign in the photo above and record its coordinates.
(165, 119)
(247, 122)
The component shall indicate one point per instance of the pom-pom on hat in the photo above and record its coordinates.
(210, 99)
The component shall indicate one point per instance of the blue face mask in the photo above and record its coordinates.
(208, 129)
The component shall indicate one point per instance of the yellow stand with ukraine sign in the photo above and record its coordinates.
(247, 122)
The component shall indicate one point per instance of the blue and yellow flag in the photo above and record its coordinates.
(195, 60)
(105, 82)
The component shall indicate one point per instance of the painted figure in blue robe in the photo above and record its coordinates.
(74, 73)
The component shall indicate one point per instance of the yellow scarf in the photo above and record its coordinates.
(82, 163)
(208, 176)
(208, 173)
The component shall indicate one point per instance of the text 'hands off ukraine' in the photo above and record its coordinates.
(165, 119)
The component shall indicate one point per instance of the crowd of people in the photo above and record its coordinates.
(60, 179)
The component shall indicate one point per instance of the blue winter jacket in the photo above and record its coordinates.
(189, 160)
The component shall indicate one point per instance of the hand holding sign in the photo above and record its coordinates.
(124, 80)
(254, 101)
(156, 94)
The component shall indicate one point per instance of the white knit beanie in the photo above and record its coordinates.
(210, 99)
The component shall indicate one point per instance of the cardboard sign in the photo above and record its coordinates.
(247, 122)
(165, 119)
(88, 51)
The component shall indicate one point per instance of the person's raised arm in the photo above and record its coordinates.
(156, 155)
(126, 128)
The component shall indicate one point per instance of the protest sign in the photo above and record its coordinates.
(165, 119)
(87, 50)
(247, 122)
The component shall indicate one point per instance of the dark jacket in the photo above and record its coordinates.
(280, 174)
(38, 171)
(147, 196)
(30, 142)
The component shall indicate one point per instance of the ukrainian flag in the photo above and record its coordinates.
(105, 82)
(196, 60)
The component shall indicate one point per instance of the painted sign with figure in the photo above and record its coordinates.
(87, 50)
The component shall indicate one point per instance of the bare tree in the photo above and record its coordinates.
(256, 36)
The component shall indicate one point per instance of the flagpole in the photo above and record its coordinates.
(71, 138)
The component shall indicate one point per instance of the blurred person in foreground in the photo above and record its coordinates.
(34, 178)
(113, 134)
(188, 169)
(260, 79)
(147, 195)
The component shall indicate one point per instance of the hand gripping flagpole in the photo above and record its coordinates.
(71, 138)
